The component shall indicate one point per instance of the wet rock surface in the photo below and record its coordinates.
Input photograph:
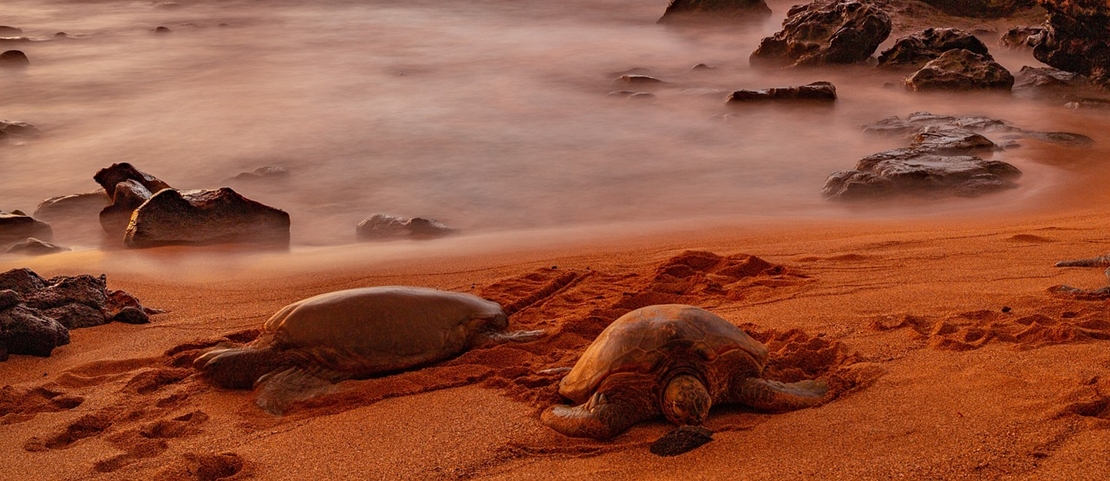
(961, 69)
(838, 32)
(16, 226)
(686, 11)
(1022, 37)
(909, 171)
(35, 247)
(980, 8)
(386, 226)
(36, 314)
(72, 207)
(203, 217)
(917, 49)
(1077, 37)
(268, 172)
(814, 92)
(129, 195)
(14, 59)
(114, 174)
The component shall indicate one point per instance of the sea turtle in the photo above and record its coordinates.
(309, 345)
(675, 360)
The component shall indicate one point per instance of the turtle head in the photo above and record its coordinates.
(686, 401)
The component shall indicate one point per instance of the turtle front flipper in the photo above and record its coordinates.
(611, 410)
(778, 396)
(1100, 261)
(238, 367)
(277, 390)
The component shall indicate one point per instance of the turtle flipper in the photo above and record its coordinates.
(277, 390)
(237, 367)
(768, 395)
(1100, 261)
(598, 418)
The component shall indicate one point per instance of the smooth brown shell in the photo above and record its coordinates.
(656, 339)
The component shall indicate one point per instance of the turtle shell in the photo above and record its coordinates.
(652, 340)
(378, 329)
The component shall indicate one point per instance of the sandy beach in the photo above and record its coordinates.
(948, 356)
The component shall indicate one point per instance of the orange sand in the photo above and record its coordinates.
(904, 318)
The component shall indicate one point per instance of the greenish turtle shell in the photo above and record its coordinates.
(655, 339)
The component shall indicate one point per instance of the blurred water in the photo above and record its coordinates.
(487, 115)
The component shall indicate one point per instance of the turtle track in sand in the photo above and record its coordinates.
(158, 400)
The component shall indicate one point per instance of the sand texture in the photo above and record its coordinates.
(947, 354)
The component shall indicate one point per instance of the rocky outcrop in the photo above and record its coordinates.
(960, 134)
(813, 92)
(36, 314)
(682, 11)
(14, 59)
(1077, 37)
(386, 226)
(916, 172)
(980, 8)
(128, 188)
(1022, 37)
(961, 70)
(268, 172)
(73, 206)
(16, 226)
(13, 129)
(837, 32)
(201, 217)
(114, 174)
(919, 48)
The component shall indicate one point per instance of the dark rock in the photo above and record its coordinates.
(1022, 37)
(27, 331)
(263, 173)
(680, 11)
(1048, 80)
(129, 195)
(12, 129)
(9, 298)
(16, 227)
(385, 226)
(919, 48)
(6, 31)
(1066, 139)
(76, 316)
(681, 440)
(913, 123)
(35, 247)
(200, 217)
(911, 171)
(1077, 37)
(60, 36)
(162, 29)
(950, 140)
(112, 175)
(816, 91)
(14, 59)
(36, 314)
(702, 66)
(639, 79)
(961, 70)
(838, 32)
(24, 281)
(72, 207)
(980, 8)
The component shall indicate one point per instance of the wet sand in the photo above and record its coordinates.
(933, 377)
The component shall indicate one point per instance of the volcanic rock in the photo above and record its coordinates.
(816, 91)
(961, 69)
(14, 59)
(201, 217)
(980, 8)
(386, 226)
(1021, 37)
(112, 175)
(911, 171)
(1077, 37)
(919, 48)
(35, 247)
(837, 32)
(16, 226)
(725, 10)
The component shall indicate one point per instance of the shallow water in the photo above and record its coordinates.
(487, 115)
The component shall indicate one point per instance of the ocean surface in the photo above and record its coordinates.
(489, 116)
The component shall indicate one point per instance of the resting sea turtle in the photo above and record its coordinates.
(675, 360)
(311, 344)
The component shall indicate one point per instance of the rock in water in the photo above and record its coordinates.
(130, 194)
(16, 226)
(14, 59)
(385, 226)
(1077, 37)
(72, 207)
(201, 217)
(980, 8)
(112, 175)
(35, 247)
(681, 440)
(717, 10)
(838, 32)
(816, 91)
(919, 48)
(961, 69)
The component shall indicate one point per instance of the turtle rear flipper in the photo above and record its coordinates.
(768, 395)
(598, 418)
(279, 389)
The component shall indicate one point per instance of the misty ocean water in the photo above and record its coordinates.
(489, 116)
